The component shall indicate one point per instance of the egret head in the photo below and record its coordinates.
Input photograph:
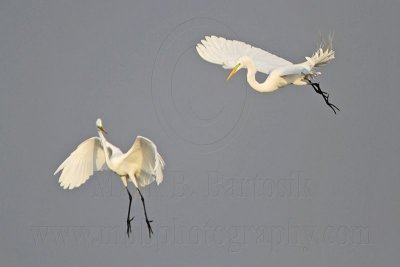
(241, 63)
(99, 125)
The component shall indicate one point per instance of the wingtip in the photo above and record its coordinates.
(143, 137)
(57, 171)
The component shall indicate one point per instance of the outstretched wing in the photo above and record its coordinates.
(149, 163)
(224, 52)
(80, 165)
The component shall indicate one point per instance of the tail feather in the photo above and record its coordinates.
(323, 55)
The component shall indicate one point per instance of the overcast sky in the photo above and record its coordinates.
(251, 179)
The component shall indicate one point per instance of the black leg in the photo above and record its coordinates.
(128, 220)
(325, 95)
(145, 214)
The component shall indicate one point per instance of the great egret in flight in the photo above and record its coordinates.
(232, 54)
(141, 165)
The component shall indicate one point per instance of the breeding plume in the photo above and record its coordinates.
(232, 54)
(141, 165)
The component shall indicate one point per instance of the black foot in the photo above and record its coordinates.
(325, 95)
(149, 227)
(128, 226)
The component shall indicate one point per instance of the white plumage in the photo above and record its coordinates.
(142, 161)
(141, 165)
(147, 160)
(80, 165)
(224, 52)
(232, 54)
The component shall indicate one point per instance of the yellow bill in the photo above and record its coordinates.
(233, 72)
(103, 130)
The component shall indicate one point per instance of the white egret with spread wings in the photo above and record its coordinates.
(141, 165)
(232, 54)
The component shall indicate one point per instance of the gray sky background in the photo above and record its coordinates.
(251, 179)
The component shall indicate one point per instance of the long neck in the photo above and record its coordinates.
(267, 86)
(104, 144)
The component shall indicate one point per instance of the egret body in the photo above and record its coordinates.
(141, 165)
(235, 55)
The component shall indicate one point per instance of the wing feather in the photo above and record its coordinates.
(295, 69)
(81, 163)
(148, 162)
(219, 50)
